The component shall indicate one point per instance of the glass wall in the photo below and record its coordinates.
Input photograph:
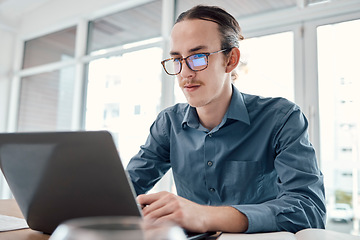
(46, 98)
(339, 101)
(46, 101)
(124, 88)
(128, 26)
(267, 66)
(123, 96)
(53, 47)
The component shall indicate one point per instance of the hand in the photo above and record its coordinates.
(165, 207)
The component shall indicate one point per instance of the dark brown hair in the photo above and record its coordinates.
(229, 29)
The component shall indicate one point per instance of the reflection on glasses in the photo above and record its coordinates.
(196, 62)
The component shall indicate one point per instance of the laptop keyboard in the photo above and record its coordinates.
(198, 236)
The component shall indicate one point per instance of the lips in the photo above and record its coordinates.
(191, 87)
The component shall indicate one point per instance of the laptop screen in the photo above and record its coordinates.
(56, 176)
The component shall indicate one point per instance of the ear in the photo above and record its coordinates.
(233, 59)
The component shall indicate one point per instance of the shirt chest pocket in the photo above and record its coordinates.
(241, 172)
(242, 179)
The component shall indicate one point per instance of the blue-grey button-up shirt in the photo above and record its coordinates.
(258, 160)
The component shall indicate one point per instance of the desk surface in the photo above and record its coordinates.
(9, 207)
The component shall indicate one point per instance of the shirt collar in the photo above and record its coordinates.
(237, 111)
(191, 118)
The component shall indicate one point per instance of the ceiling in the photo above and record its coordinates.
(240, 8)
(12, 10)
(19, 7)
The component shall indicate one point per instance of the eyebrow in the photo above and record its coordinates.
(192, 50)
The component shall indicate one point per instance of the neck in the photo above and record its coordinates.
(212, 114)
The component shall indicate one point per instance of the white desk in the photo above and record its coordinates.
(9, 207)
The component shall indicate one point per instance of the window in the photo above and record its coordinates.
(339, 84)
(54, 47)
(46, 97)
(267, 66)
(123, 96)
(129, 26)
(124, 87)
(46, 101)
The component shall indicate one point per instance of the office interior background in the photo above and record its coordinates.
(70, 65)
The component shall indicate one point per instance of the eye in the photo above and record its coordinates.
(198, 61)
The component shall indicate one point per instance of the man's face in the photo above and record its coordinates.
(199, 36)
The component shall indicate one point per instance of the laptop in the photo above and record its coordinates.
(57, 176)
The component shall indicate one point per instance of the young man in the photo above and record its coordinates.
(241, 163)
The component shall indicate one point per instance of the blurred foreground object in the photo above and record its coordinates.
(116, 228)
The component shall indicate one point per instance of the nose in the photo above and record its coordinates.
(186, 72)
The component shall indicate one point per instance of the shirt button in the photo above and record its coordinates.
(209, 163)
(211, 189)
(210, 135)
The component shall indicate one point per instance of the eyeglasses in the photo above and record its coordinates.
(196, 62)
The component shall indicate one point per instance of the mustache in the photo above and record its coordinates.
(190, 82)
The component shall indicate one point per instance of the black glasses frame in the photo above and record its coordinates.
(187, 63)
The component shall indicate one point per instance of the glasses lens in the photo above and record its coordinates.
(172, 66)
(198, 62)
